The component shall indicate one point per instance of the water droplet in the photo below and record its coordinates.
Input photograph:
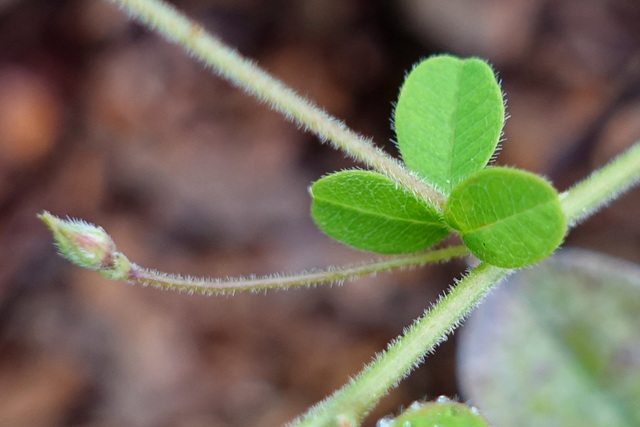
(385, 421)
(443, 399)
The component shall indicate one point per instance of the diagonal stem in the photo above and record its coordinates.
(245, 74)
(603, 186)
(405, 353)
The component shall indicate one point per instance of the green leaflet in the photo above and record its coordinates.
(368, 211)
(507, 217)
(443, 413)
(448, 119)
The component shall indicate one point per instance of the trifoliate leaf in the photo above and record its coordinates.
(448, 119)
(507, 217)
(368, 211)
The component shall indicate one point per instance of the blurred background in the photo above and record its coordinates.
(102, 120)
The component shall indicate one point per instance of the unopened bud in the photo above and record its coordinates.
(87, 245)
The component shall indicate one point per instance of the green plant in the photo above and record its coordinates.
(448, 120)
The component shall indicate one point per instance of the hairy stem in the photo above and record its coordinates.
(603, 186)
(331, 275)
(384, 373)
(89, 246)
(246, 75)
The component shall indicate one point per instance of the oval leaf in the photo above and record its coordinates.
(557, 346)
(368, 211)
(507, 217)
(449, 119)
(443, 413)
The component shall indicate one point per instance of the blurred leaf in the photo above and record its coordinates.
(507, 217)
(443, 413)
(558, 345)
(448, 119)
(368, 211)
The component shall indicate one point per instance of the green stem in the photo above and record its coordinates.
(332, 275)
(603, 186)
(246, 75)
(363, 392)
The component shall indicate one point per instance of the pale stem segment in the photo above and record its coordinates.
(246, 75)
(603, 186)
(364, 391)
(331, 275)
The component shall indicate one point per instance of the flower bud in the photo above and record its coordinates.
(87, 245)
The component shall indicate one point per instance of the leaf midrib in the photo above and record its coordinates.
(379, 214)
(452, 127)
(483, 226)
